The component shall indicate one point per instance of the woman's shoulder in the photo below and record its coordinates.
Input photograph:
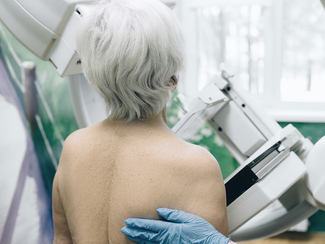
(78, 146)
(195, 159)
(197, 154)
(75, 140)
(81, 138)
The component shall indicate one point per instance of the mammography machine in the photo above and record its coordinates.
(280, 181)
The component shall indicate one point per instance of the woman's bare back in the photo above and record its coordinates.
(113, 171)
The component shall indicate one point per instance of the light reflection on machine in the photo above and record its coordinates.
(279, 182)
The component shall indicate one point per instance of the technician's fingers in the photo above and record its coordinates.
(141, 241)
(147, 224)
(174, 215)
(140, 234)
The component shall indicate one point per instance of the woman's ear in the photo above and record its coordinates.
(174, 82)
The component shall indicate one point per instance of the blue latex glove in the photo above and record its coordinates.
(183, 228)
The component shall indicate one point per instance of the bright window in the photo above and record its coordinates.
(276, 49)
(303, 52)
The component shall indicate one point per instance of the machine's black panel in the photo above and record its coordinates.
(240, 183)
(264, 155)
(246, 178)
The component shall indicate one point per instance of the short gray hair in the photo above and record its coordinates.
(130, 50)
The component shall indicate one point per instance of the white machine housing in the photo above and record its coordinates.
(48, 28)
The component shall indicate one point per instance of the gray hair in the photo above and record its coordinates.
(130, 50)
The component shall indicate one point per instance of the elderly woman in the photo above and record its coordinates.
(131, 163)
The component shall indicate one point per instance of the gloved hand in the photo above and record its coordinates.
(184, 228)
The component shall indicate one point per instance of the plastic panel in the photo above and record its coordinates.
(266, 191)
(35, 36)
(239, 129)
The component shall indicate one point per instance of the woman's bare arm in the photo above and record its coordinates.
(62, 233)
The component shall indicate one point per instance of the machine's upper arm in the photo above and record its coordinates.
(205, 191)
(62, 233)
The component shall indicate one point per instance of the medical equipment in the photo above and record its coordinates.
(279, 167)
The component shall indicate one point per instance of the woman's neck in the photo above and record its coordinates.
(159, 120)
